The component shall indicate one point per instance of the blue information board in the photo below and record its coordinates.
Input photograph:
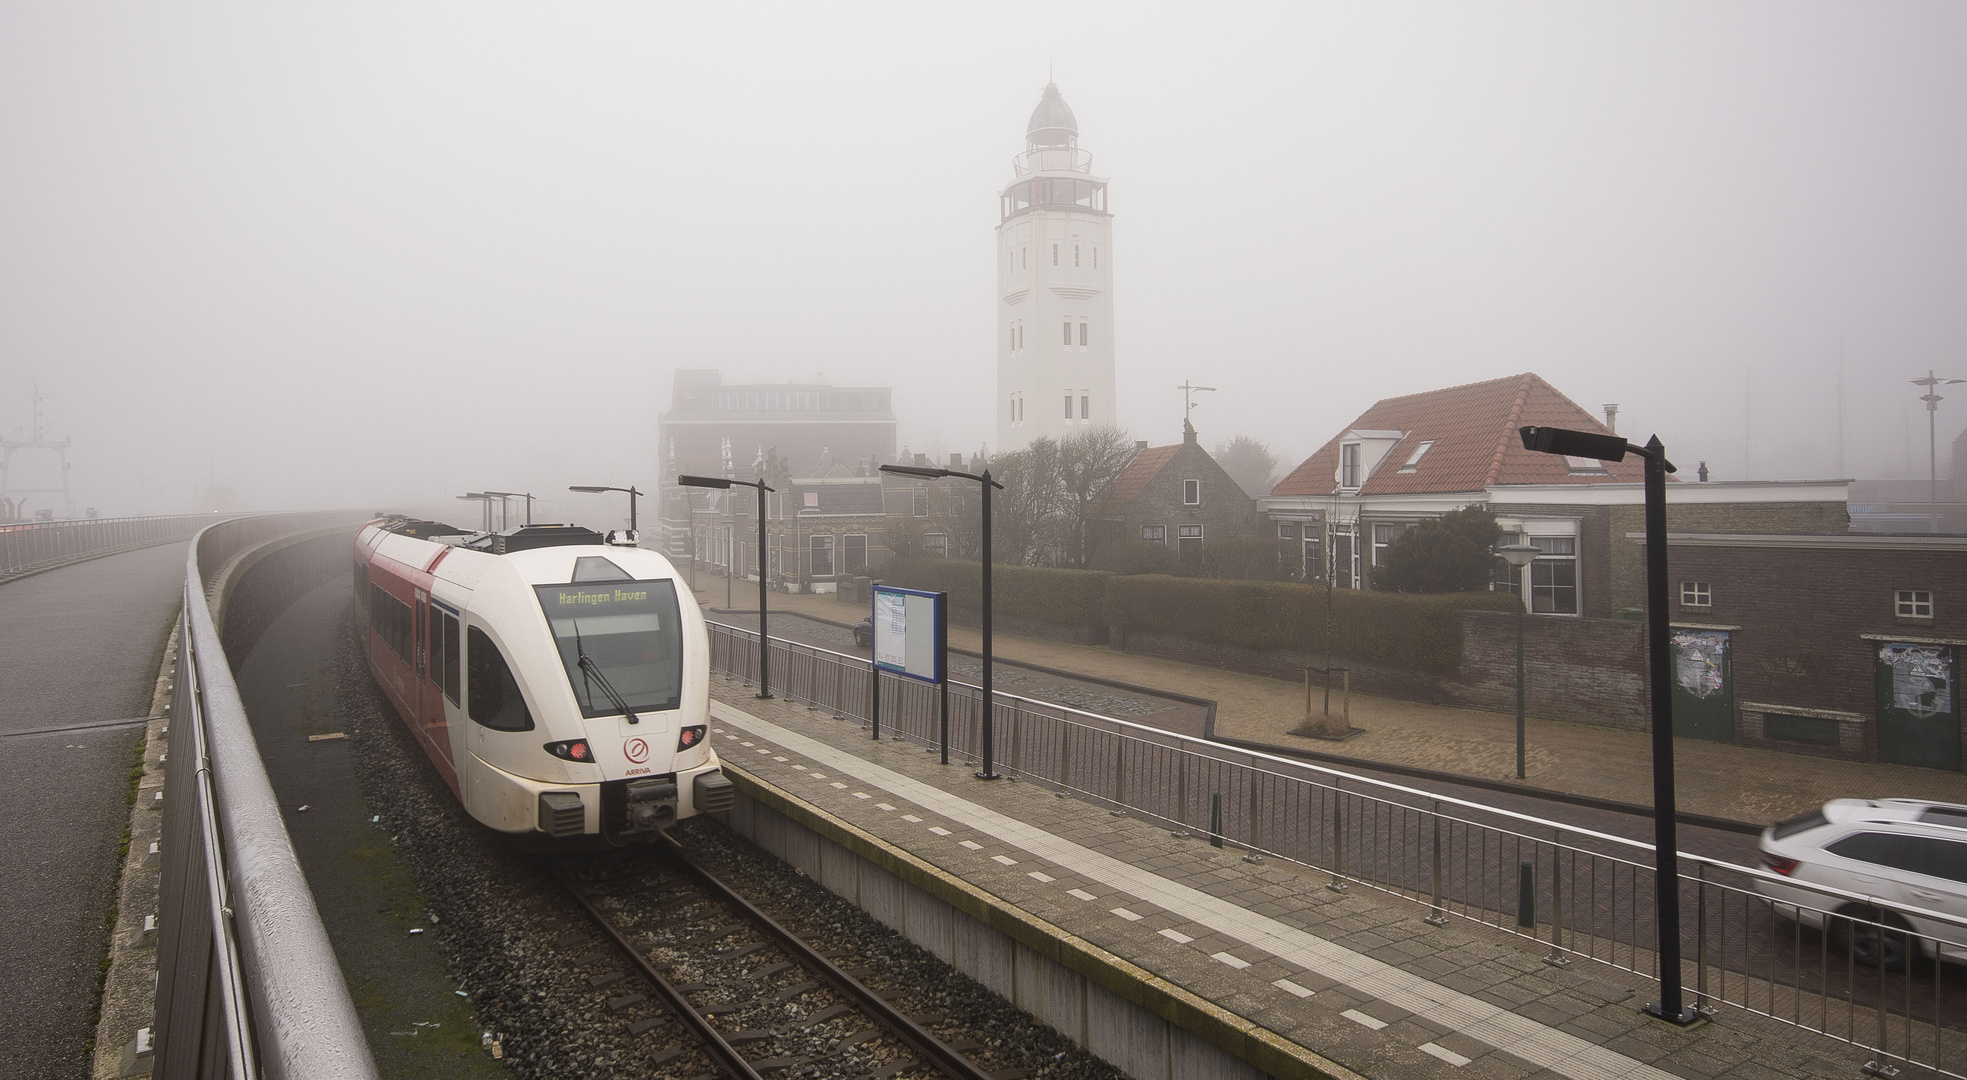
(908, 633)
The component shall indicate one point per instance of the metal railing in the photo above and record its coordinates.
(33, 545)
(248, 985)
(1590, 893)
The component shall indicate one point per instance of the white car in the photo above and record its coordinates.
(1901, 851)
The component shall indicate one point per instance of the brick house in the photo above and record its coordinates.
(1845, 645)
(1410, 458)
(1178, 496)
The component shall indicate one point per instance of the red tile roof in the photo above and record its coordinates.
(1476, 445)
(1136, 475)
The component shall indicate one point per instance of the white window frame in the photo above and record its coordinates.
(1191, 493)
(1349, 478)
(1914, 603)
(1182, 532)
(1154, 534)
(1696, 594)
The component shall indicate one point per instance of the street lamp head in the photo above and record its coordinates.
(915, 470)
(703, 481)
(1569, 443)
(591, 490)
(1518, 555)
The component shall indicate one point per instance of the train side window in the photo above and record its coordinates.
(452, 675)
(494, 694)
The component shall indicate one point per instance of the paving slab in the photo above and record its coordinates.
(1176, 907)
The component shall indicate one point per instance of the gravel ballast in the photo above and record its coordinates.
(514, 936)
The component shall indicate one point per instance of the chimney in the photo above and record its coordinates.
(922, 460)
(1140, 444)
(1703, 472)
(956, 461)
(1612, 418)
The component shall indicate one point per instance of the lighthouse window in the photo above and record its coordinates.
(1085, 407)
(1055, 254)
(1096, 256)
(1068, 406)
(1082, 333)
(1068, 331)
(1075, 254)
(1024, 258)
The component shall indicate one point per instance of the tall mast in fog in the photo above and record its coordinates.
(1054, 286)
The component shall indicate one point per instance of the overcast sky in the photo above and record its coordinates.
(346, 254)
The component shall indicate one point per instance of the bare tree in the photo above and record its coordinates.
(1023, 510)
(1089, 463)
(1250, 463)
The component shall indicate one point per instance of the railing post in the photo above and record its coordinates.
(1439, 916)
(1065, 756)
(1700, 943)
(1119, 775)
(1556, 957)
(1337, 884)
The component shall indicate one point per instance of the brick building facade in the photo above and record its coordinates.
(1177, 496)
(1846, 645)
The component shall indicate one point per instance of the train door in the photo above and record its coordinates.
(441, 661)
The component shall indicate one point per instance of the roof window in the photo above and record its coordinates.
(1586, 466)
(1414, 459)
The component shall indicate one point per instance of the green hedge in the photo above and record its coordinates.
(1397, 630)
(1414, 632)
(1067, 597)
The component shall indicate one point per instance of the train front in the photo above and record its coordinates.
(615, 667)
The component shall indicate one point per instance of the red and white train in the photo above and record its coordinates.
(554, 677)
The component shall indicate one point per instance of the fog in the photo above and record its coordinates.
(363, 255)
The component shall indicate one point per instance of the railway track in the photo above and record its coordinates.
(722, 984)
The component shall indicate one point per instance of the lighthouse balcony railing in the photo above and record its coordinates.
(1053, 159)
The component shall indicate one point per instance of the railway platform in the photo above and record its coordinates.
(1174, 958)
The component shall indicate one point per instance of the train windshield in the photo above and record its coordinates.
(632, 636)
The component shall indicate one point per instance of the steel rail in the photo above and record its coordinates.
(722, 1051)
(933, 1051)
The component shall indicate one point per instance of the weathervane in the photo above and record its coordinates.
(1188, 399)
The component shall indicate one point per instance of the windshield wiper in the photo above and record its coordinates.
(590, 668)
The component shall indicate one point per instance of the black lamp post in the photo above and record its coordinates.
(632, 494)
(987, 772)
(1519, 556)
(764, 641)
(1666, 861)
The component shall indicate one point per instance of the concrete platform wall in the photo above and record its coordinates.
(1126, 1033)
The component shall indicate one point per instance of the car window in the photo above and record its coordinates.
(1879, 849)
(1939, 858)
(1797, 824)
(1927, 855)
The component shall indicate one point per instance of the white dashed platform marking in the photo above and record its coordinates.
(1492, 1025)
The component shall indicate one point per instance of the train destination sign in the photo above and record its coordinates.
(908, 633)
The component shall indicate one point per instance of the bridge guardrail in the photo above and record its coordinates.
(248, 984)
(1592, 892)
(26, 546)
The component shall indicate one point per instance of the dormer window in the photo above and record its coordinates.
(1349, 465)
(1414, 459)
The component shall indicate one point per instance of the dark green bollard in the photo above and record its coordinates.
(1526, 894)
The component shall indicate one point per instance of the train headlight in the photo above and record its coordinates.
(572, 750)
(688, 737)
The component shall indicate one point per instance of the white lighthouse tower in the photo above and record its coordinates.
(1054, 294)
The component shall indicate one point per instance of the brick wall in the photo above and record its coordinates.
(1590, 671)
(1628, 557)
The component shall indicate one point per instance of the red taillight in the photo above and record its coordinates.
(1779, 864)
(571, 750)
(690, 736)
